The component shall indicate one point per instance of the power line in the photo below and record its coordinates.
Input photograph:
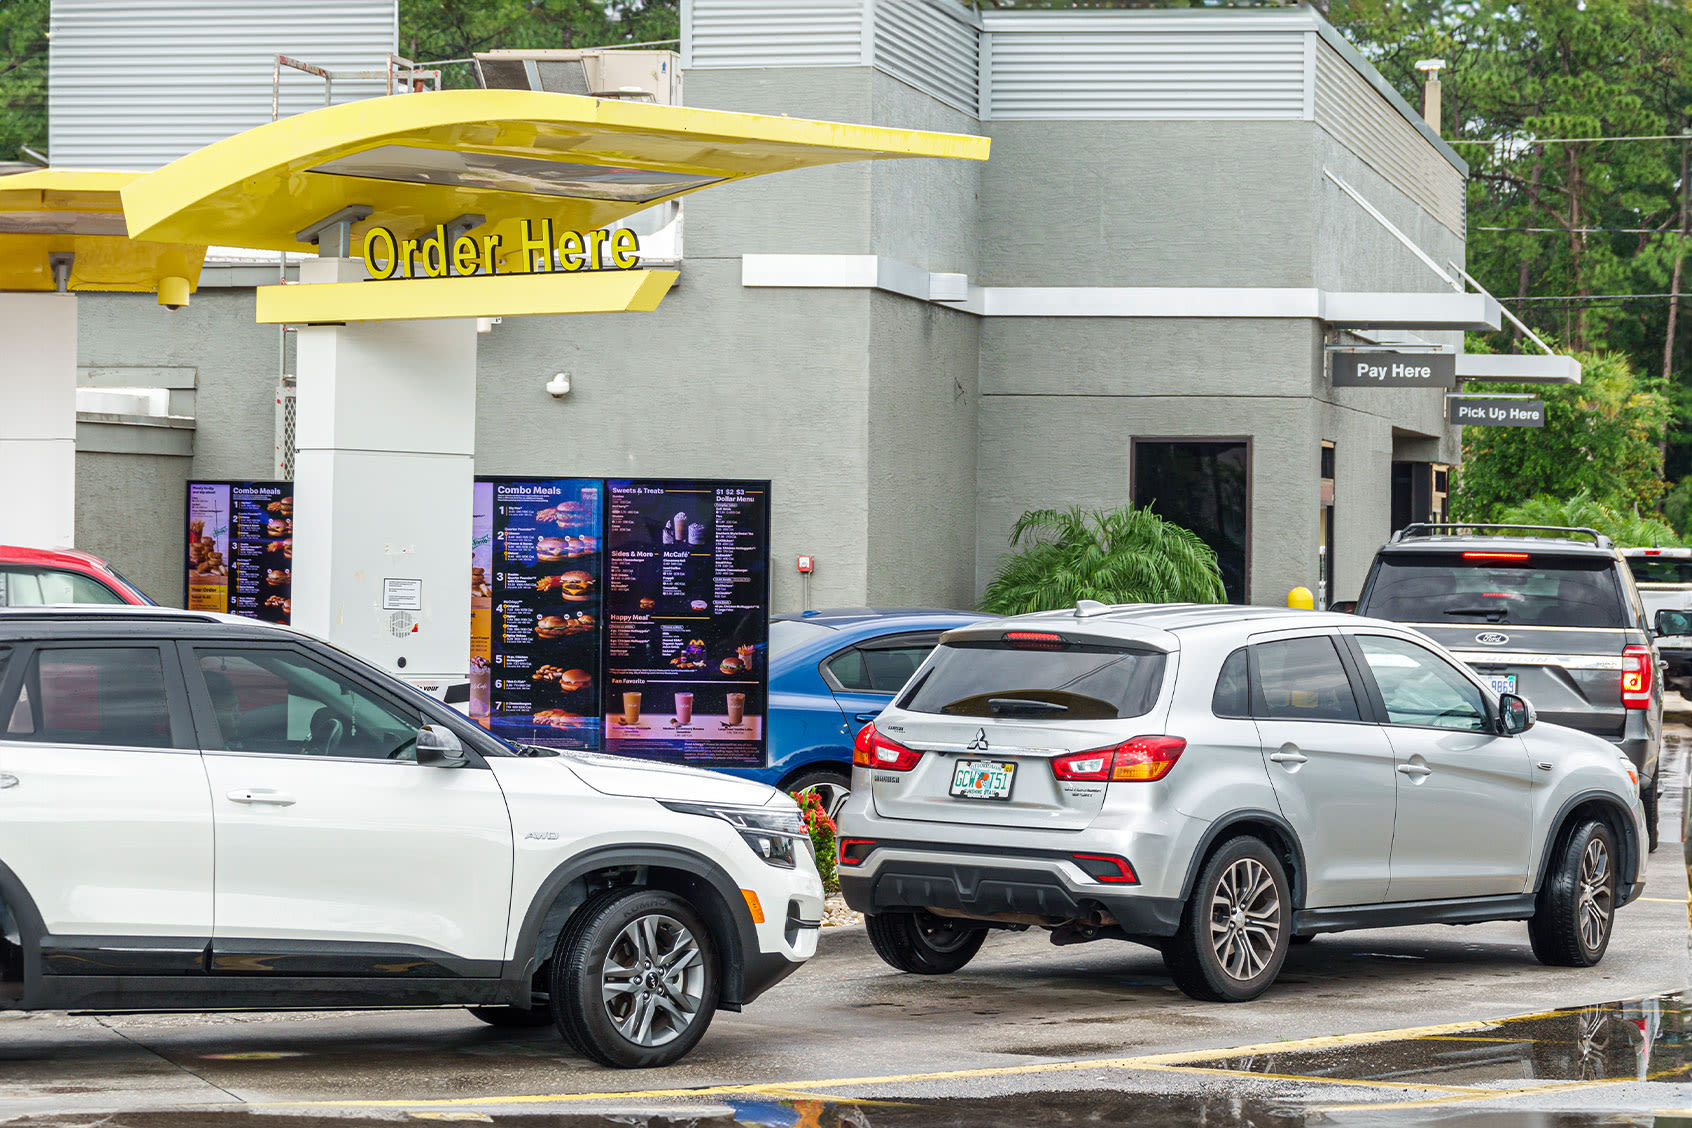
(1586, 230)
(1595, 298)
(1565, 140)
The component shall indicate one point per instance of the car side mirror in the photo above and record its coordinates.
(1671, 623)
(1344, 607)
(1515, 715)
(439, 747)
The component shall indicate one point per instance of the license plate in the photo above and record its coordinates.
(982, 779)
(1501, 683)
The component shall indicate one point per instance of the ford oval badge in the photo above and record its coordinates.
(1492, 638)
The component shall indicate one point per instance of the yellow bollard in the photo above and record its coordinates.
(1301, 598)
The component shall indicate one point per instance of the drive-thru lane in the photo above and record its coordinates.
(1025, 1016)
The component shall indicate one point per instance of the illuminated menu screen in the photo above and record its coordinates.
(240, 549)
(629, 616)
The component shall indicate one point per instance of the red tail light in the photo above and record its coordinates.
(872, 750)
(853, 851)
(1637, 677)
(1495, 556)
(1107, 868)
(1035, 640)
(1140, 760)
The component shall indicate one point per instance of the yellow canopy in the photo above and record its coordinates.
(418, 160)
(50, 211)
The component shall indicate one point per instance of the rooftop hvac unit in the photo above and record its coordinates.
(598, 72)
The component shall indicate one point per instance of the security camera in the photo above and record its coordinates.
(559, 386)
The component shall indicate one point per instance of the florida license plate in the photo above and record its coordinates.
(1501, 683)
(982, 779)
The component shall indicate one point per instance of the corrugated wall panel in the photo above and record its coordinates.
(1356, 114)
(1161, 75)
(134, 84)
(917, 42)
(775, 33)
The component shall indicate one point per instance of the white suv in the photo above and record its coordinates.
(199, 812)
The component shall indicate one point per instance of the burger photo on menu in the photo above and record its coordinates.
(550, 549)
(576, 587)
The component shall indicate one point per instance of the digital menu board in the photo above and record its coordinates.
(535, 607)
(630, 616)
(240, 549)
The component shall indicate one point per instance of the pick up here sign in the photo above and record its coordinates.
(1480, 411)
(1387, 369)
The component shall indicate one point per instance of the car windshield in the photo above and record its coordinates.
(791, 634)
(1660, 569)
(1076, 682)
(1483, 586)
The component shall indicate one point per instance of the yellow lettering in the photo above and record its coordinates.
(595, 240)
(625, 249)
(408, 253)
(380, 241)
(434, 251)
(529, 244)
(570, 250)
(490, 253)
(464, 255)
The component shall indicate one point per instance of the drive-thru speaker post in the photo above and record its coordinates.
(427, 212)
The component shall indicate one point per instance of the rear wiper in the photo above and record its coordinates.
(1024, 706)
(1489, 612)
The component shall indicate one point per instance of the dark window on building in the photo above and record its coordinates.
(1204, 486)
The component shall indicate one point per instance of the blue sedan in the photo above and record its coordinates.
(831, 672)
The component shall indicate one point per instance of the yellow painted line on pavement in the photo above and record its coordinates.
(1668, 900)
(1213, 1071)
(1474, 1096)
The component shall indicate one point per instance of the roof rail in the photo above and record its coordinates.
(83, 612)
(1435, 528)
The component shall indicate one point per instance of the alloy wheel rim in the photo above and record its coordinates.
(1594, 903)
(1245, 919)
(652, 983)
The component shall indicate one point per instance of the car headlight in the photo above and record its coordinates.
(772, 833)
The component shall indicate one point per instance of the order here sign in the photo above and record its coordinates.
(1383, 368)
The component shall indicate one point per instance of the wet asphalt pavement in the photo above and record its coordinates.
(1438, 1025)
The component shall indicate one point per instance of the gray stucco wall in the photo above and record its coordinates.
(1147, 203)
(131, 510)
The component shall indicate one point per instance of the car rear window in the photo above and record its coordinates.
(1496, 586)
(1075, 682)
(1660, 569)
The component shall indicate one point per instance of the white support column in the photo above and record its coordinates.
(38, 419)
(383, 483)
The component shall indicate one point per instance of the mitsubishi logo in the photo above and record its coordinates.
(979, 744)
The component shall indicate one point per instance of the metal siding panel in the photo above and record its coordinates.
(1147, 74)
(918, 43)
(137, 83)
(776, 33)
(1360, 119)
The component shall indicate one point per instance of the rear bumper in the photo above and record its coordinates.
(1020, 885)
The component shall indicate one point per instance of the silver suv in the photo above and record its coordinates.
(1217, 782)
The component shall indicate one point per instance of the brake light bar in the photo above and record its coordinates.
(1637, 677)
(1495, 556)
(872, 750)
(1034, 640)
(1140, 760)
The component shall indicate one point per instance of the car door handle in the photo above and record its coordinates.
(263, 796)
(865, 718)
(1288, 757)
(1414, 770)
(7, 779)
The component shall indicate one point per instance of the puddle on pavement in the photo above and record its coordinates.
(1030, 1110)
(1641, 1040)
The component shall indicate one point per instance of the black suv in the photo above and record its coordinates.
(1549, 613)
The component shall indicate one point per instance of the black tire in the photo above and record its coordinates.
(835, 784)
(1650, 801)
(1566, 930)
(514, 1018)
(1242, 877)
(579, 975)
(921, 943)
